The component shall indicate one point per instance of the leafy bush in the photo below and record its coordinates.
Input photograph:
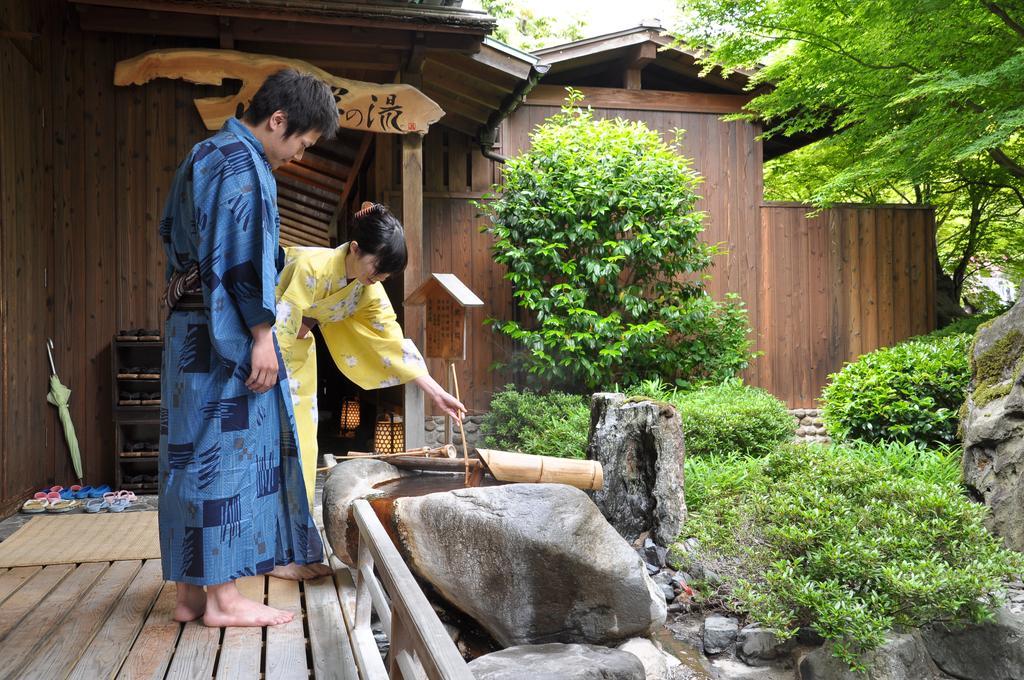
(966, 324)
(727, 418)
(598, 229)
(552, 424)
(847, 541)
(909, 392)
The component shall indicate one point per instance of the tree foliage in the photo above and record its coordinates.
(597, 227)
(525, 29)
(924, 98)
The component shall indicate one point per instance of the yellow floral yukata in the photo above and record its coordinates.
(359, 328)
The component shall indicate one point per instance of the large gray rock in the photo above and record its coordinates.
(991, 651)
(759, 646)
(640, 446)
(901, 657)
(655, 661)
(532, 563)
(719, 632)
(993, 424)
(556, 661)
(345, 483)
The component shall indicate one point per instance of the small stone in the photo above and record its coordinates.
(470, 426)
(430, 425)
(651, 569)
(654, 553)
(806, 421)
(677, 607)
(799, 413)
(719, 632)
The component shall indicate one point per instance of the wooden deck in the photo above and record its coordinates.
(112, 620)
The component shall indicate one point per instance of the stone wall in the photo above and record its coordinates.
(434, 426)
(810, 428)
(809, 425)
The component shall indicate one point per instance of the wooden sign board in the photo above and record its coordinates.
(446, 299)
(370, 107)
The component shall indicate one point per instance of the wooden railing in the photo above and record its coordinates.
(420, 646)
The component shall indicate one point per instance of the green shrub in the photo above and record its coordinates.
(909, 392)
(846, 541)
(727, 418)
(552, 424)
(966, 324)
(597, 227)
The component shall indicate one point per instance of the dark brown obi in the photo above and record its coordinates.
(184, 291)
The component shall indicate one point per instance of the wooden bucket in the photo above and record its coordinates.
(509, 466)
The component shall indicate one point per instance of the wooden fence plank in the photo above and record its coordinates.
(902, 309)
(112, 643)
(884, 268)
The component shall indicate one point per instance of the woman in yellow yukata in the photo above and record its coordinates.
(340, 290)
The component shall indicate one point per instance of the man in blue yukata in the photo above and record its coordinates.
(232, 499)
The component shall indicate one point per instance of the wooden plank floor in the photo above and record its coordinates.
(112, 620)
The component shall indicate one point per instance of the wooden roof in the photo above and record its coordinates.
(446, 283)
(667, 68)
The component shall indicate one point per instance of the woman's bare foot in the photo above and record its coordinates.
(225, 606)
(301, 572)
(191, 602)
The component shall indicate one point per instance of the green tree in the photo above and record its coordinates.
(597, 228)
(521, 27)
(925, 99)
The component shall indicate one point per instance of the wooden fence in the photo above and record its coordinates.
(836, 285)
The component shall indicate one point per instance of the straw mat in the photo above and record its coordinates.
(69, 539)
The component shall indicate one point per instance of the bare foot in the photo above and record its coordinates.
(225, 606)
(191, 602)
(301, 572)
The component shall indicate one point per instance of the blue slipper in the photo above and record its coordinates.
(82, 493)
(98, 491)
(95, 505)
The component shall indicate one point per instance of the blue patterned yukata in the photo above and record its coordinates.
(232, 499)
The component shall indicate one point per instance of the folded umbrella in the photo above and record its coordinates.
(59, 396)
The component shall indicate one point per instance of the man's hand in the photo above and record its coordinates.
(264, 360)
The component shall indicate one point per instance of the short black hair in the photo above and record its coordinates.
(306, 100)
(379, 233)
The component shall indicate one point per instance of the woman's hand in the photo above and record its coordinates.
(442, 400)
(264, 359)
(307, 325)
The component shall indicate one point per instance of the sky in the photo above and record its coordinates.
(602, 16)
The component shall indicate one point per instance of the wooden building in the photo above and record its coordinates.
(85, 165)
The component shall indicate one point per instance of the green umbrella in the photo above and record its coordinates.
(59, 396)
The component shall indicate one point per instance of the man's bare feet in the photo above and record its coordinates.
(300, 572)
(225, 606)
(191, 602)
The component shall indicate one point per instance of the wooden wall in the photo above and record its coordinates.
(27, 425)
(837, 285)
(454, 174)
(85, 169)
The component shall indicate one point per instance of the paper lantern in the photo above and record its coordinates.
(348, 423)
(389, 435)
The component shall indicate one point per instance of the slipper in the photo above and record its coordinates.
(114, 502)
(61, 506)
(82, 493)
(70, 492)
(34, 505)
(95, 505)
(98, 491)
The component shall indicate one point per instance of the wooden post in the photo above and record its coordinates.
(412, 219)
